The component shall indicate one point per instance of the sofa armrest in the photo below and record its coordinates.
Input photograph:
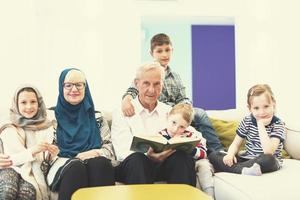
(292, 143)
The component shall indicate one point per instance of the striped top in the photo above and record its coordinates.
(249, 131)
(199, 151)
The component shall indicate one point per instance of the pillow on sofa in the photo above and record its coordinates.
(226, 130)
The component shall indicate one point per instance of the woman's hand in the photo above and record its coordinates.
(5, 161)
(159, 157)
(229, 160)
(87, 154)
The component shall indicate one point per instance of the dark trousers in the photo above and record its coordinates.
(137, 168)
(202, 123)
(268, 163)
(89, 173)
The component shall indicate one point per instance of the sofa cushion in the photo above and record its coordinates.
(226, 130)
(270, 186)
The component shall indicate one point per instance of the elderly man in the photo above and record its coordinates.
(151, 117)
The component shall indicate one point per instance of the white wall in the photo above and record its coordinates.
(39, 38)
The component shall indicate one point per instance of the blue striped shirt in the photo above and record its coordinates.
(249, 131)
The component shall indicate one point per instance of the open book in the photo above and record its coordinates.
(141, 143)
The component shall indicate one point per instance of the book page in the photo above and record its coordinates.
(176, 140)
(185, 146)
(155, 138)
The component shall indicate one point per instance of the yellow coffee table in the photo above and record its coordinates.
(141, 192)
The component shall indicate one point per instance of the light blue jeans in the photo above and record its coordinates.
(202, 123)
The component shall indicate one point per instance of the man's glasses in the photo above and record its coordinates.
(69, 86)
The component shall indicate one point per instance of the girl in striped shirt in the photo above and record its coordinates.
(264, 134)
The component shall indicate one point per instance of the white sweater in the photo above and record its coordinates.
(17, 145)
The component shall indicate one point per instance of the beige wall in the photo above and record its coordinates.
(39, 38)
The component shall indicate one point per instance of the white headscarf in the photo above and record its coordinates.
(39, 121)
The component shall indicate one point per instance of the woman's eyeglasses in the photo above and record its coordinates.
(69, 86)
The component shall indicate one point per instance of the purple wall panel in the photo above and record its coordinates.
(213, 67)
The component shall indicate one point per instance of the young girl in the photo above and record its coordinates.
(25, 139)
(179, 121)
(264, 134)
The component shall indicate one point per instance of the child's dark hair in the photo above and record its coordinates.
(159, 39)
(186, 110)
(259, 89)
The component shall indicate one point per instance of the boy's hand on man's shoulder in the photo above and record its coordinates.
(127, 107)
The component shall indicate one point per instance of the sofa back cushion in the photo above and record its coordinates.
(226, 130)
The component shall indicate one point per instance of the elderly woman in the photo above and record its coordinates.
(84, 143)
(26, 140)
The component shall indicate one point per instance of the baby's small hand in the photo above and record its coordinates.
(203, 141)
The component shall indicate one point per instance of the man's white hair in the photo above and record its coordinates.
(148, 66)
